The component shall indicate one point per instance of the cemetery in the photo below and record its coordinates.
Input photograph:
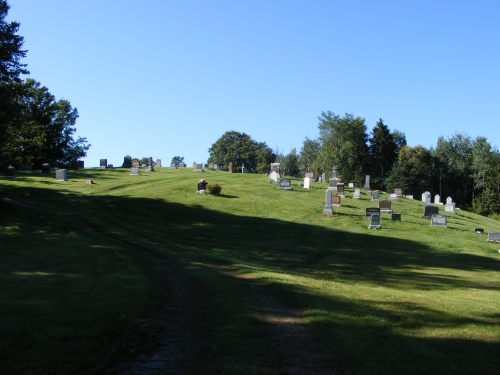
(113, 249)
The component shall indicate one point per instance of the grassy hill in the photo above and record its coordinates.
(86, 270)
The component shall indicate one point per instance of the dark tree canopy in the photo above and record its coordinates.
(383, 154)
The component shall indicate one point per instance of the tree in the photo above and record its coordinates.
(383, 154)
(343, 143)
(308, 154)
(240, 149)
(290, 164)
(399, 139)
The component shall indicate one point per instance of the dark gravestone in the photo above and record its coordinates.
(103, 163)
(202, 185)
(396, 217)
(134, 171)
(438, 221)
(479, 230)
(385, 206)
(493, 237)
(335, 200)
(10, 172)
(285, 184)
(429, 211)
(110, 165)
(127, 162)
(60, 174)
(150, 167)
(371, 211)
(327, 210)
(374, 222)
(46, 168)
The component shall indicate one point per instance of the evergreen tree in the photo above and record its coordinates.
(383, 154)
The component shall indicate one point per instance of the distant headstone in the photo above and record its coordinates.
(479, 230)
(336, 200)
(449, 200)
(311, 175)
(172, 166)
(375, 196)
(493, 237)
(110, 165)
(319, 179)
(198, 167)
(307, 182)
(323, 177)
(409, 196)
(275, 167)
(127, 162)
(396, 217)
(371, 211)
(134, 171)
(426, 198)
(46, 168)
(429, 211)
(216, 167)
(385, 206)
(202, 185)
(158, 163)
(375, 222)
(357, 194)
(393, 197)
(351, 184)
(150, 167)
(437, 199)
(230, 168)
(367, 182)
(340, 190)
(450, 208)
(10, 171)
(60, 174)
(243, 168)
(89, 181)
(285, 184)
(273, 178)
(333, 185)
(136, 163)
(398, 191)
(327, 210)
(103, 163)
(211, 165)
(27, 167)
(438, 221)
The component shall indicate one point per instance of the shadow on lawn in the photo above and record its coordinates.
(379, 332)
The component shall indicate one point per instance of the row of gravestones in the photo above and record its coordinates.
(448, 207)
(46, 168)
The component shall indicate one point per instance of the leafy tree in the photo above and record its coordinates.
(265, 157)
(308, 154)
(383, 154)
(399, 139)
(290, 164)
(481, 158)
(344, 144)
(177, 160)
(240, 149)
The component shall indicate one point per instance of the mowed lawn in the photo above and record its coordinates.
(409, 298)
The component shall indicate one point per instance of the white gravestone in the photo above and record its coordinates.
(356, 194)
(393, 197)
(449, 200)
(437, 199)
(307, 182)
(351, 185)
(273, 179)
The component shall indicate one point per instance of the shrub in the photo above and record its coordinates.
(214, 189)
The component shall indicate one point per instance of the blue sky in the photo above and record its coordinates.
(164, 78)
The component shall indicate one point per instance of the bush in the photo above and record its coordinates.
(214, 189)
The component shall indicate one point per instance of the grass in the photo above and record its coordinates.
(409, 298)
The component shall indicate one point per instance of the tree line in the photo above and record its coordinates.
(466, 169)
(34, 127)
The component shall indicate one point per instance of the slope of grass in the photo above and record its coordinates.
(409, 298)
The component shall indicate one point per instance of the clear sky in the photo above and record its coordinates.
(165, 78)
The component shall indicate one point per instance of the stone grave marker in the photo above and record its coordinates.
(333, 185)
(311, 175)
(61, 175)
(46, 168)
(450, 208)
(158, 163)
(409, 196)
(398, 191)
(273, 178)
(340, 190)
(230, 170)
(127, 161)
(89, 181)
(385, 206)
(243, 168)
(375, 196)
(110, 165)
(307, 182)
(449, 200)
(393, 197)
(357, 194)
(275, 167)
(367, 182)
(136, 163)
(437, 199)
(198, 167)
(396, 217)
(479, 230)
(371, 211)
(426, 198)
(493, 237)
(351, 184)
(103, 163)
(375, 222)
(134, 171)
(429, 211)
(211, 165)
(438, 221)
(285, 184)
(327, 210)
(336, 200)
(319, 179)
(323, 177)
(10, 171)
(150, 167)
(172, 166)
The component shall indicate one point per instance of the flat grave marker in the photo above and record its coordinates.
(285, 184)
(438, 221)
(375, 222)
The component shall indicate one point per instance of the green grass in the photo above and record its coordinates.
(409, 298)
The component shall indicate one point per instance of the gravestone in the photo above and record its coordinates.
(10, 171)
(89, 181)
(375, 195)
(319, 179)
(327, 210)
(398, 191)
(385, 206)
(409, 196)
(60, 174)
(211, 165)
(110, 165)
(336, 200)
(275, 167)
(27, 167)
(273, 179)
(438, 221)
(371, 211)
(450, 208)
(340, 190)
(134, 171)
(367, 182)
(437, 199)
(127, 162)
(429, 211)
(311, 175)
(198, 167)
(172, 166)
(243, 168)
(426, 198)
(46, 168)
(103, 163)
(449, 200)
(158, 163)
(351, 184)
(194, 164)
(307, 182)
(216, 167)
(150, 167)
(375, 222)
(136, 163)
(230, 168)
(493, 237)
(323, 177)
(357, 194)
(479, 230)
(396, 217)
(285, 184)
(333, 185)
(393, 197)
